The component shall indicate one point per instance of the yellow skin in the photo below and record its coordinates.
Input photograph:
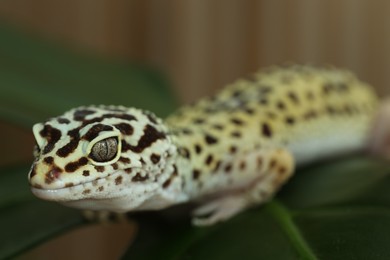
(226, 152)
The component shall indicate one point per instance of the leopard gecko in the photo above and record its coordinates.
(226, 152)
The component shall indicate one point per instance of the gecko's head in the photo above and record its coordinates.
(94, 155)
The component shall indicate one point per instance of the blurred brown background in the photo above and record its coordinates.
(202, 45)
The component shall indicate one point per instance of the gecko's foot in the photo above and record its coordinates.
(218, 210)
(104, 216)
(380, 135)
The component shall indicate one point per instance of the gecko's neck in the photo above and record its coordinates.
(187, 154)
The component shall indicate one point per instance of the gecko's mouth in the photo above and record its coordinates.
(78, 191)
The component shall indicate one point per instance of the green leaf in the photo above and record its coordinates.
(38, 81)
(334, 210)
(24, 220)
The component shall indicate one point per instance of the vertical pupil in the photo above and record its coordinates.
(104, 150)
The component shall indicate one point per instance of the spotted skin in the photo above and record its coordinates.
(226, 152)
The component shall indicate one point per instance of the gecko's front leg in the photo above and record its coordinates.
(277, 166)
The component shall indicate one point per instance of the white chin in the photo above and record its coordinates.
(52, 195)
(102, 205)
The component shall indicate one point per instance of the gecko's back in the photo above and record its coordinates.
(313, 112)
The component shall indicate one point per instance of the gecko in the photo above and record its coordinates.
(225, 153)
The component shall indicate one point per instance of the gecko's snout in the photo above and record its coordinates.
(41, 176)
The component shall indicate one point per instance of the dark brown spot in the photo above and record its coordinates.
(101, 188)
(73, 166)
(210, 139)
(175, 172)
(69, 184)
(124, 160)
(151, 117)
(99, 168)
(63, 120)
(195, 174)
(125, 129)
(72, 145)
(209, 159)
(266, 130)
(33, 172)
(85, 173)
(169, 180)
(52, 136)
(280, 105)
(263, 102)
(293, 97)
(128, 170)
(228, 168)
(237, 121)
(242, 165)
(80, 115)
(236, 134)
(217, 165)
(184, 152)
(198, 148)
(139, 178)
(263, 90)
(327, 88)
(155, 158)
(186, 131)
(114, 166)
(236, 93)
(95, 130)
(290, 120)
(218, 127)
(233, 149)
(310, 115)
(249, 111)
(85, 192)
(118, 180)
(167, 183)
(127, 117)
(282, 170)
(48, 160)
(151, 135)
(198, 121)
(331, 110)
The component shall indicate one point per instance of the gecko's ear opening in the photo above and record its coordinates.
(36, 131)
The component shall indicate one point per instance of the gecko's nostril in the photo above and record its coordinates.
(53, 174)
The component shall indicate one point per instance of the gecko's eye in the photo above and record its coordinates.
(104, 150)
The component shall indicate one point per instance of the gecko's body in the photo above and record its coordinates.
(226, 152)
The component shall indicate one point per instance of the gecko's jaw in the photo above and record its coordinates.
(116, 192)
(95, 189)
